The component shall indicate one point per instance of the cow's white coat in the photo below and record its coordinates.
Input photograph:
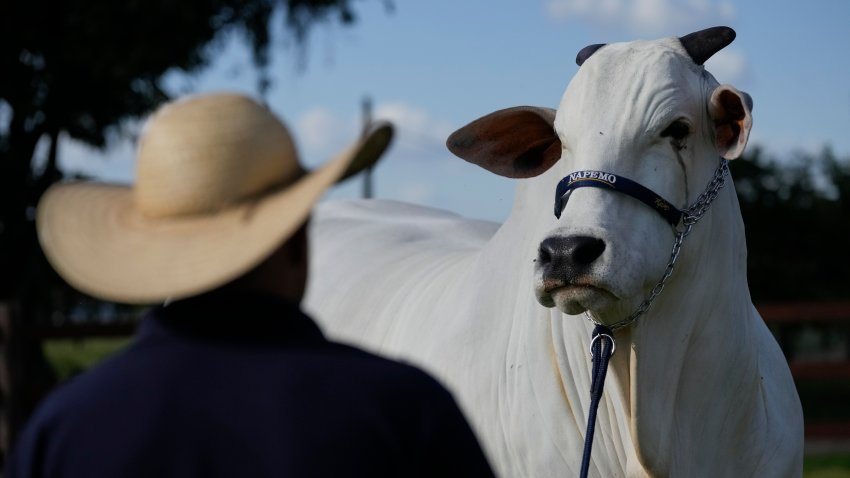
(698, 386)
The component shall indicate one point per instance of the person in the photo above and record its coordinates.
(230, 378)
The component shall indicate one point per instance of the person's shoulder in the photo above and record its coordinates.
(84, 391)
(62, 405)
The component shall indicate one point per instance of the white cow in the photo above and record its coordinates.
(697, 387)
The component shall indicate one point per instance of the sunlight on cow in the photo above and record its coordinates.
(698, 386)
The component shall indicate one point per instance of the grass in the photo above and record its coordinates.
(825, 400)
(68, 357)
(827, 466)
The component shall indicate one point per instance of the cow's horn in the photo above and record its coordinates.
(585, 52)
(704, 43)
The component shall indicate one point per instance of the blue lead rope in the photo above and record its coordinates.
(602, 341)
(602, 344)
(601, 348)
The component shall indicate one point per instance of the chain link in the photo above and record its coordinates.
(700, 206)
(690, 217)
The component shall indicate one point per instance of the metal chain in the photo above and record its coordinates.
(700, 206)
(690, 217)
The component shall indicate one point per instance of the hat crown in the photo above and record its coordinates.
(205, 153)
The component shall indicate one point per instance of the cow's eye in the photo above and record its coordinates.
(677, 130)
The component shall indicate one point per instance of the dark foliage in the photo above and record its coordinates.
(85, 67)
(797, 217)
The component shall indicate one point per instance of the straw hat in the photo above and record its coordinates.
(218, 189)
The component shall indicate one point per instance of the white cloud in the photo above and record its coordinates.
(320, 132)
(728, 66)
(644, 17)
(416, 130)
(319, 129)
(403, 115)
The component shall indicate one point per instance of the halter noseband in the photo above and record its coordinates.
(601, 179)
(674, 216)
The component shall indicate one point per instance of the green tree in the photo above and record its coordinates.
(86, 67)
(797, 217)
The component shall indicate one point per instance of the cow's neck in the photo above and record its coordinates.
(693, 349)
(703, 321)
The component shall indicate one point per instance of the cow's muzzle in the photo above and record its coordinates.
(564, 260)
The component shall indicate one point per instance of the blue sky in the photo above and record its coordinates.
(431, 67)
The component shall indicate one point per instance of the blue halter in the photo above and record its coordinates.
(601, 179)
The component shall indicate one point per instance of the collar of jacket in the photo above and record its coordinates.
(235, 317)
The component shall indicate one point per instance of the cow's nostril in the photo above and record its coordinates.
(544, 255)
(570, 254)
(584, 250)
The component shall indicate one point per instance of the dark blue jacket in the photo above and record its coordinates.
(226, 386)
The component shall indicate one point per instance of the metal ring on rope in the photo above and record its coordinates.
(613, 343)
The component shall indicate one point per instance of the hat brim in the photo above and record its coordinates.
(98, 241)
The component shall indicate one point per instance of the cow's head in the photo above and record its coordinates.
(643, 110)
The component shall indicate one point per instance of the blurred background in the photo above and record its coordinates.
(78, 77)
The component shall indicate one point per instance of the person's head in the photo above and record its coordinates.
(220, 198)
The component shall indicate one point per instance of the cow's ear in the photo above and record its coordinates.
(731, 112)
(516, 142)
